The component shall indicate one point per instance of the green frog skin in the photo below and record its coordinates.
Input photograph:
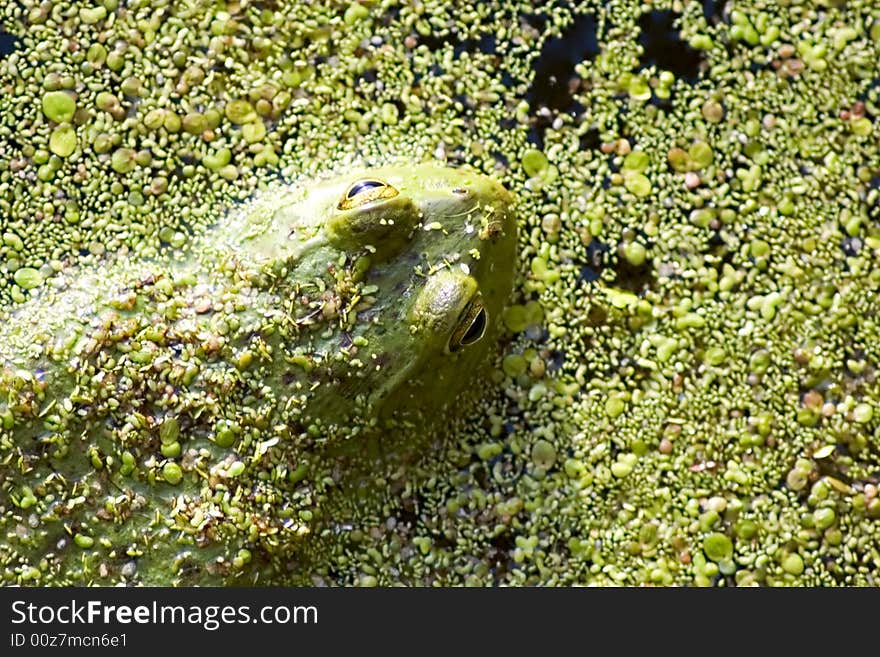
(154, 416)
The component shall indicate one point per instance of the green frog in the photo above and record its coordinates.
(157, 416)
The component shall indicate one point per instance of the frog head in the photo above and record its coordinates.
(441, 244)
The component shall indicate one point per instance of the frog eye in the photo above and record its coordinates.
(364, 191)
(471, 325)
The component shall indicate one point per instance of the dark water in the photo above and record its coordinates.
(591, 270)
(664, 48)
(555, 82)
(713, 11)
(7, 43)
(485, 43)
(554, 67)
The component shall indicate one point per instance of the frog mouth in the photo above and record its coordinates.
(471, 325)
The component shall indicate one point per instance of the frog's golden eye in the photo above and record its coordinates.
(364, 191)
(471, 325)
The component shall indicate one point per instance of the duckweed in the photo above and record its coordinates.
(62, 142)
(172, 473)
(638, 184)
(28, 278)
(544, 454)
(793, 564)
(240, 111)
(123, 160)
(83, 541)
(59, 106)
(718, 547)
(863, 413)
(534, 162)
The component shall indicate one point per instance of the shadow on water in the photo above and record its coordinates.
(637, 279)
